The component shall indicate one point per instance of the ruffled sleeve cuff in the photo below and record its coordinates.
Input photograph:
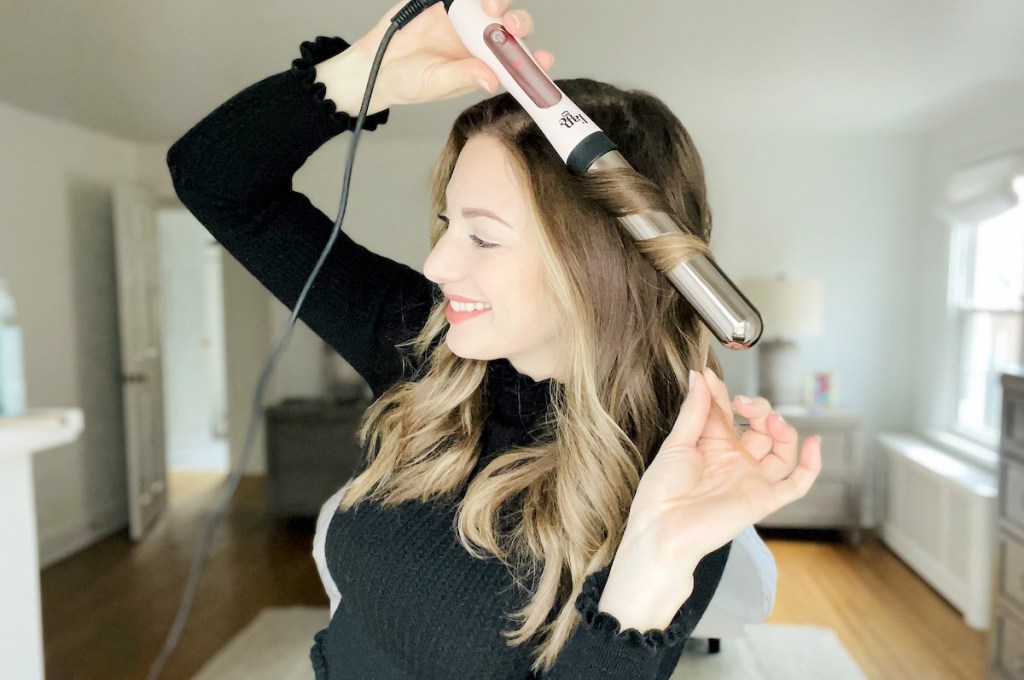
(600, 650)
(312, 53)
(316, 656)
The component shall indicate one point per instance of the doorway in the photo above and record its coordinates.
(194, 368)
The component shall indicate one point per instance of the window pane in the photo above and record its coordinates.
(998, 281)
(991, 345)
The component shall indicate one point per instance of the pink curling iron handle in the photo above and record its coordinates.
(561, 121)
(585, 148)
(518, 64)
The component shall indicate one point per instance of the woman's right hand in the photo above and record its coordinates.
(426, 60)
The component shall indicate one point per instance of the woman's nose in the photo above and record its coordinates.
(444, 263)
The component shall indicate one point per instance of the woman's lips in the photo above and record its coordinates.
(459, 317)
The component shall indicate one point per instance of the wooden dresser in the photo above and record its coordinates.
(1006, 635)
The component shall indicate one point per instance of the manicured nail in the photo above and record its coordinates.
(483, 84)
(744, 400)
(693, 376)
(781, 419)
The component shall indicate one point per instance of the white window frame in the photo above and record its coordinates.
(980, 446)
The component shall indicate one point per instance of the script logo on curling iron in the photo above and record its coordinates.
(569, 119)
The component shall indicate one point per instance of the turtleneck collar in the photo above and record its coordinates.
(516, 397)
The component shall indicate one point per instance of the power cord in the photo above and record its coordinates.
(409, 12)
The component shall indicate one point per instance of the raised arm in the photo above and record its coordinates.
(233, 170)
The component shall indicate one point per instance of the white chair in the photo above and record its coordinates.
(746, 593)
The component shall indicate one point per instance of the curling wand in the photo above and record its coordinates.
(586, 148)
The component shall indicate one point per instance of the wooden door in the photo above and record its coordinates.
(138, 293)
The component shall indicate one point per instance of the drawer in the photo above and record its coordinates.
(836, 452)
(837, 445)
(1011, 495)
(1012, 434)
(1009, 646)
(827, 504)
(1011, 570)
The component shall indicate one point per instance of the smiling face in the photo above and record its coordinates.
(490, 254)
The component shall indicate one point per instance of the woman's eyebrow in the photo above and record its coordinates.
(483, 212)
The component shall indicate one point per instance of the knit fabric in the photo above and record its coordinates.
(414, 605)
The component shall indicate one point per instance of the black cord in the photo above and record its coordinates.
(404, 16)
(413, 9)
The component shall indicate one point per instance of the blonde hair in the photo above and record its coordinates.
(630, 342)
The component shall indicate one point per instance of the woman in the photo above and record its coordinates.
(547, 489)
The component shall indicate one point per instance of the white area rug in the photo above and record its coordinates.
(275, 646)
(773, 652)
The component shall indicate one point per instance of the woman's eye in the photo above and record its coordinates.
(477, 241)
(480, 242)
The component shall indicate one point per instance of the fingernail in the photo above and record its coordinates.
(515, 20)
(483, 84)
(744, 400)
(693, 376)
(781, 419)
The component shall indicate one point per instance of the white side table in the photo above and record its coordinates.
(21, 622)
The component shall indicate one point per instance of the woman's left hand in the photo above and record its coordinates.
(707, 484)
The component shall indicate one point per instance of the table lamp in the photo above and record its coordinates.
(790, 307)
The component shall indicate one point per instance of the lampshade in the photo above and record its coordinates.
(789, 306)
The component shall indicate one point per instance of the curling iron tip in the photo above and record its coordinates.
(746, 333)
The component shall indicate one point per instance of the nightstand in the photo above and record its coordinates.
(312, 450)
(835, 499)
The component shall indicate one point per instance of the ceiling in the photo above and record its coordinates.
(147, 70)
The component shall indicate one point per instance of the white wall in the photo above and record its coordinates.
(842, 209)
(56, 249)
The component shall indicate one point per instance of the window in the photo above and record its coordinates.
(988, 292)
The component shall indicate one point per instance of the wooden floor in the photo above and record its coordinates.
(107, 609)
(892, 623)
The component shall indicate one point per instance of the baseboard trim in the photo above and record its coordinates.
(64, 541)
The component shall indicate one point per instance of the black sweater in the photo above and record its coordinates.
(414, 605)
